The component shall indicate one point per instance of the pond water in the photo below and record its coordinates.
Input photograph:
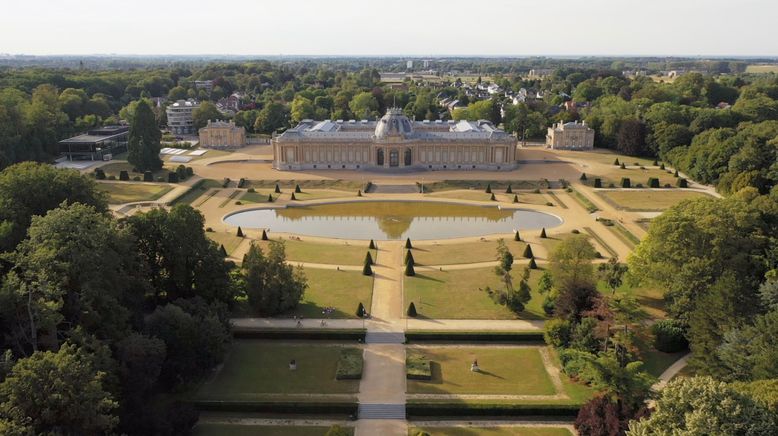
(383, 220)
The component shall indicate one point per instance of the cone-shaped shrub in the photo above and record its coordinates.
(598, 183)
(264, 235)
(223, 250)
(240, 232)
(367, 270)
(293, 197)
(682, 183)
(616, 162)
(372, 245)
(653, 182)
(517, 237)
(492, 198)
(278, 189)
(361, 310)
(269, 198)
(409, 271)
(412, 310)
(662, 166)
(528, 252)
(543, 233)
(656, 163)
(675, 174)
(509, 190)
(532, 264)
(369, 258)
(625, 182)
(622, 166)
(488, 188)
(408, 244)
(409, 258)
(297, 189)
(359, 192)
(583, 177)
(515, 198)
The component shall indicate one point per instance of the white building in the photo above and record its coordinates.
(179, 117)
(570, 136)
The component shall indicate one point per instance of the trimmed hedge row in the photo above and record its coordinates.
(426, 409)
(473, 336)
(325, 335)
(290, 407)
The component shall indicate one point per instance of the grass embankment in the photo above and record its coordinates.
(471, 252)
(647, 201)
(129, 192)
(340, 290)
(196, 191)
(317, 252)
(460, 294)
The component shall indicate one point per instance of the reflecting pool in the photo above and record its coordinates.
(417, 220)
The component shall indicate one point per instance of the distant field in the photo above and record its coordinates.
(762, 69)
(128, 192)
(648, 200)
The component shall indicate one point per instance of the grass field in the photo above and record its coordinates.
(762, 69)
(208, 429)
(459, 294)
(127, 192)
(314, 252)
(647, 200)
(254, 368)
(257, 196)
(196, 191)
(491, 431)
(503, 371)
(500, 195)
(228, 239)
(471, 252)
(584, 201)
(287, 186)
(114, 168)
(612, 175)
(651, 299)
(341, 290)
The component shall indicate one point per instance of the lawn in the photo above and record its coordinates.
(491, 431)
(651, 299)
(127, 192)
(508, 370)
(647, 200)
(254, 368)
(341, 290)
(257, 196)
(762, 69)
(315, 194)
(613, 175)
(228, 239)
(471, 252)
(114, 168)
(196, 191)
(459, 294)
(315, 252)
(209, 429)
(288, 185)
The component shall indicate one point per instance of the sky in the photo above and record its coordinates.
(390, 27)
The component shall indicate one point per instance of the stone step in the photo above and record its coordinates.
(385, 338)
(381, 411)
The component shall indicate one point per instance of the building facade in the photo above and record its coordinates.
(179, 117)
(222, 135)
(96, 144)
(394, 142)
(570, 136)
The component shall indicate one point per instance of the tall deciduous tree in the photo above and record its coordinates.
(272, 286)
(143, 142)
(205, 112)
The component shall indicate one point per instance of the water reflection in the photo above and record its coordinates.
(393, 220)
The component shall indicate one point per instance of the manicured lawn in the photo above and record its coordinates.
(471, 252)
(651, 299)
(254, 368)
(314, 194)
(196, 191)
(459, 294)
(491, 431)
(463, 195)
(208, 429)
(228, 239)
(127, 192)
(639, 200)
(287, 186)
(341, 290)
(257, 196)
(518, 371)
(613, 175)
(316, 252)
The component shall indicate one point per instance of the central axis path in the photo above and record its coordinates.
(382, 389)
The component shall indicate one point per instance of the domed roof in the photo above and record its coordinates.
(394, 123)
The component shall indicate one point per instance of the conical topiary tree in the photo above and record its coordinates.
(409, 271)
(488, 188)
(278, 189)
(361, 310)
(240, 232)
(662, 166)
(527, 252)
(682, 183)
(297, 189)
(369, 258)
(517, 237)
(408, 244)
(359, 192)
(622, 166)
(412, 310)
(293, 197)
(367, 270)
(543, 233)
(223, 250)
(372, 245)
(509, 190)
(269, 198)
(675, 174)
(264, 235)
(492, 198)
(409, 257)
(515, 198)
(532, 264)
(656, 163)
(616, 162)
(583, 177)
(598, 183)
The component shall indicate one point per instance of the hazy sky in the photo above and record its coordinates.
(390, 27)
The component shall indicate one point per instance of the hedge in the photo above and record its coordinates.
(417, 367)
(473, 336)
(669, 336)
(425, 409)
(350, 364)
(275, 406)
(300, 333)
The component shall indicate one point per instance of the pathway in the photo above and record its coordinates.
(671, 372)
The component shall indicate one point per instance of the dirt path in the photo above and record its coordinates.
(671, 372)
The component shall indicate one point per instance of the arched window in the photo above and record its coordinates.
(407, 157)
(380, 157)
